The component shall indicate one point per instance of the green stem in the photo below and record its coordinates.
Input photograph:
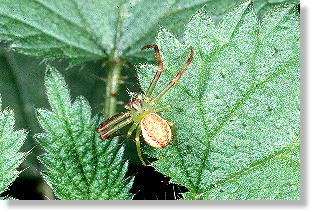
(114, 74)
(112, 86)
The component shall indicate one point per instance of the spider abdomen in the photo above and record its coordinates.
(155, 130)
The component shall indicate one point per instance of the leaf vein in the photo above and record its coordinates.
(69, 131)
(52, 35)
(258, 163)
(87, 25)
(237, 106)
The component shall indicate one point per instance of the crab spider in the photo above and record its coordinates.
(142, 112)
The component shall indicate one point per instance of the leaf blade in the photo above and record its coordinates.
(28, 32)
(244, 92)
(10, 143)
(77, 160)
(82, 31)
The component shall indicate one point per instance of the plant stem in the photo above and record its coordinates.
(112, 86)
(114, 74)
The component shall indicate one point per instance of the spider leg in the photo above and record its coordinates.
(174, 132)
(178, 76)
(159, 69)
(137, 143)
(115, 128)
(132, 128)
(112, 121)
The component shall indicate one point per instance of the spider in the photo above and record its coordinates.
(142, 112)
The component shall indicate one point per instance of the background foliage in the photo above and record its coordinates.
(79, 165)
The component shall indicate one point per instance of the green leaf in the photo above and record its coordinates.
(79, 164)
(236, 108)
(22, 96)
(83, 31)
(10, 143)
(278, 177)
(263, 6)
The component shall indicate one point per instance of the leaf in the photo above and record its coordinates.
(20, 94)
(236, 108)
(70, 17)
(262, 6)
(83, 31)
(10, 143)
(92, 30)
(281, 170)
(80, 165)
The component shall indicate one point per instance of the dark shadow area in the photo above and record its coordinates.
(26, 189)
(152, 185)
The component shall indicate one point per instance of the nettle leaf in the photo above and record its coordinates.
(236, 108)
(88, 30)
(262, 6)
(79, 164)
(18, 70)
(21, 96)
(10, 143)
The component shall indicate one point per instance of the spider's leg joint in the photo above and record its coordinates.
(177, 77)
(109, 130)
(149, 47)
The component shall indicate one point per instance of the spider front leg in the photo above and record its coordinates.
(115, 128)
(137, 143)
(159, 69)
(174, 81)
(112, 121)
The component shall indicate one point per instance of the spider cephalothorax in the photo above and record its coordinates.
(142, 113)
(135, 103)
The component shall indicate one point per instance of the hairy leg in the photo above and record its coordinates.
(112, 121)
(167, 107)
(174, 132)
(115, 128)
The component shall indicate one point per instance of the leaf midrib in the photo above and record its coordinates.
(62, 162)
(90, 36)
(69, 131)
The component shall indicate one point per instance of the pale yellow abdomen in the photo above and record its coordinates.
(155, 130)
